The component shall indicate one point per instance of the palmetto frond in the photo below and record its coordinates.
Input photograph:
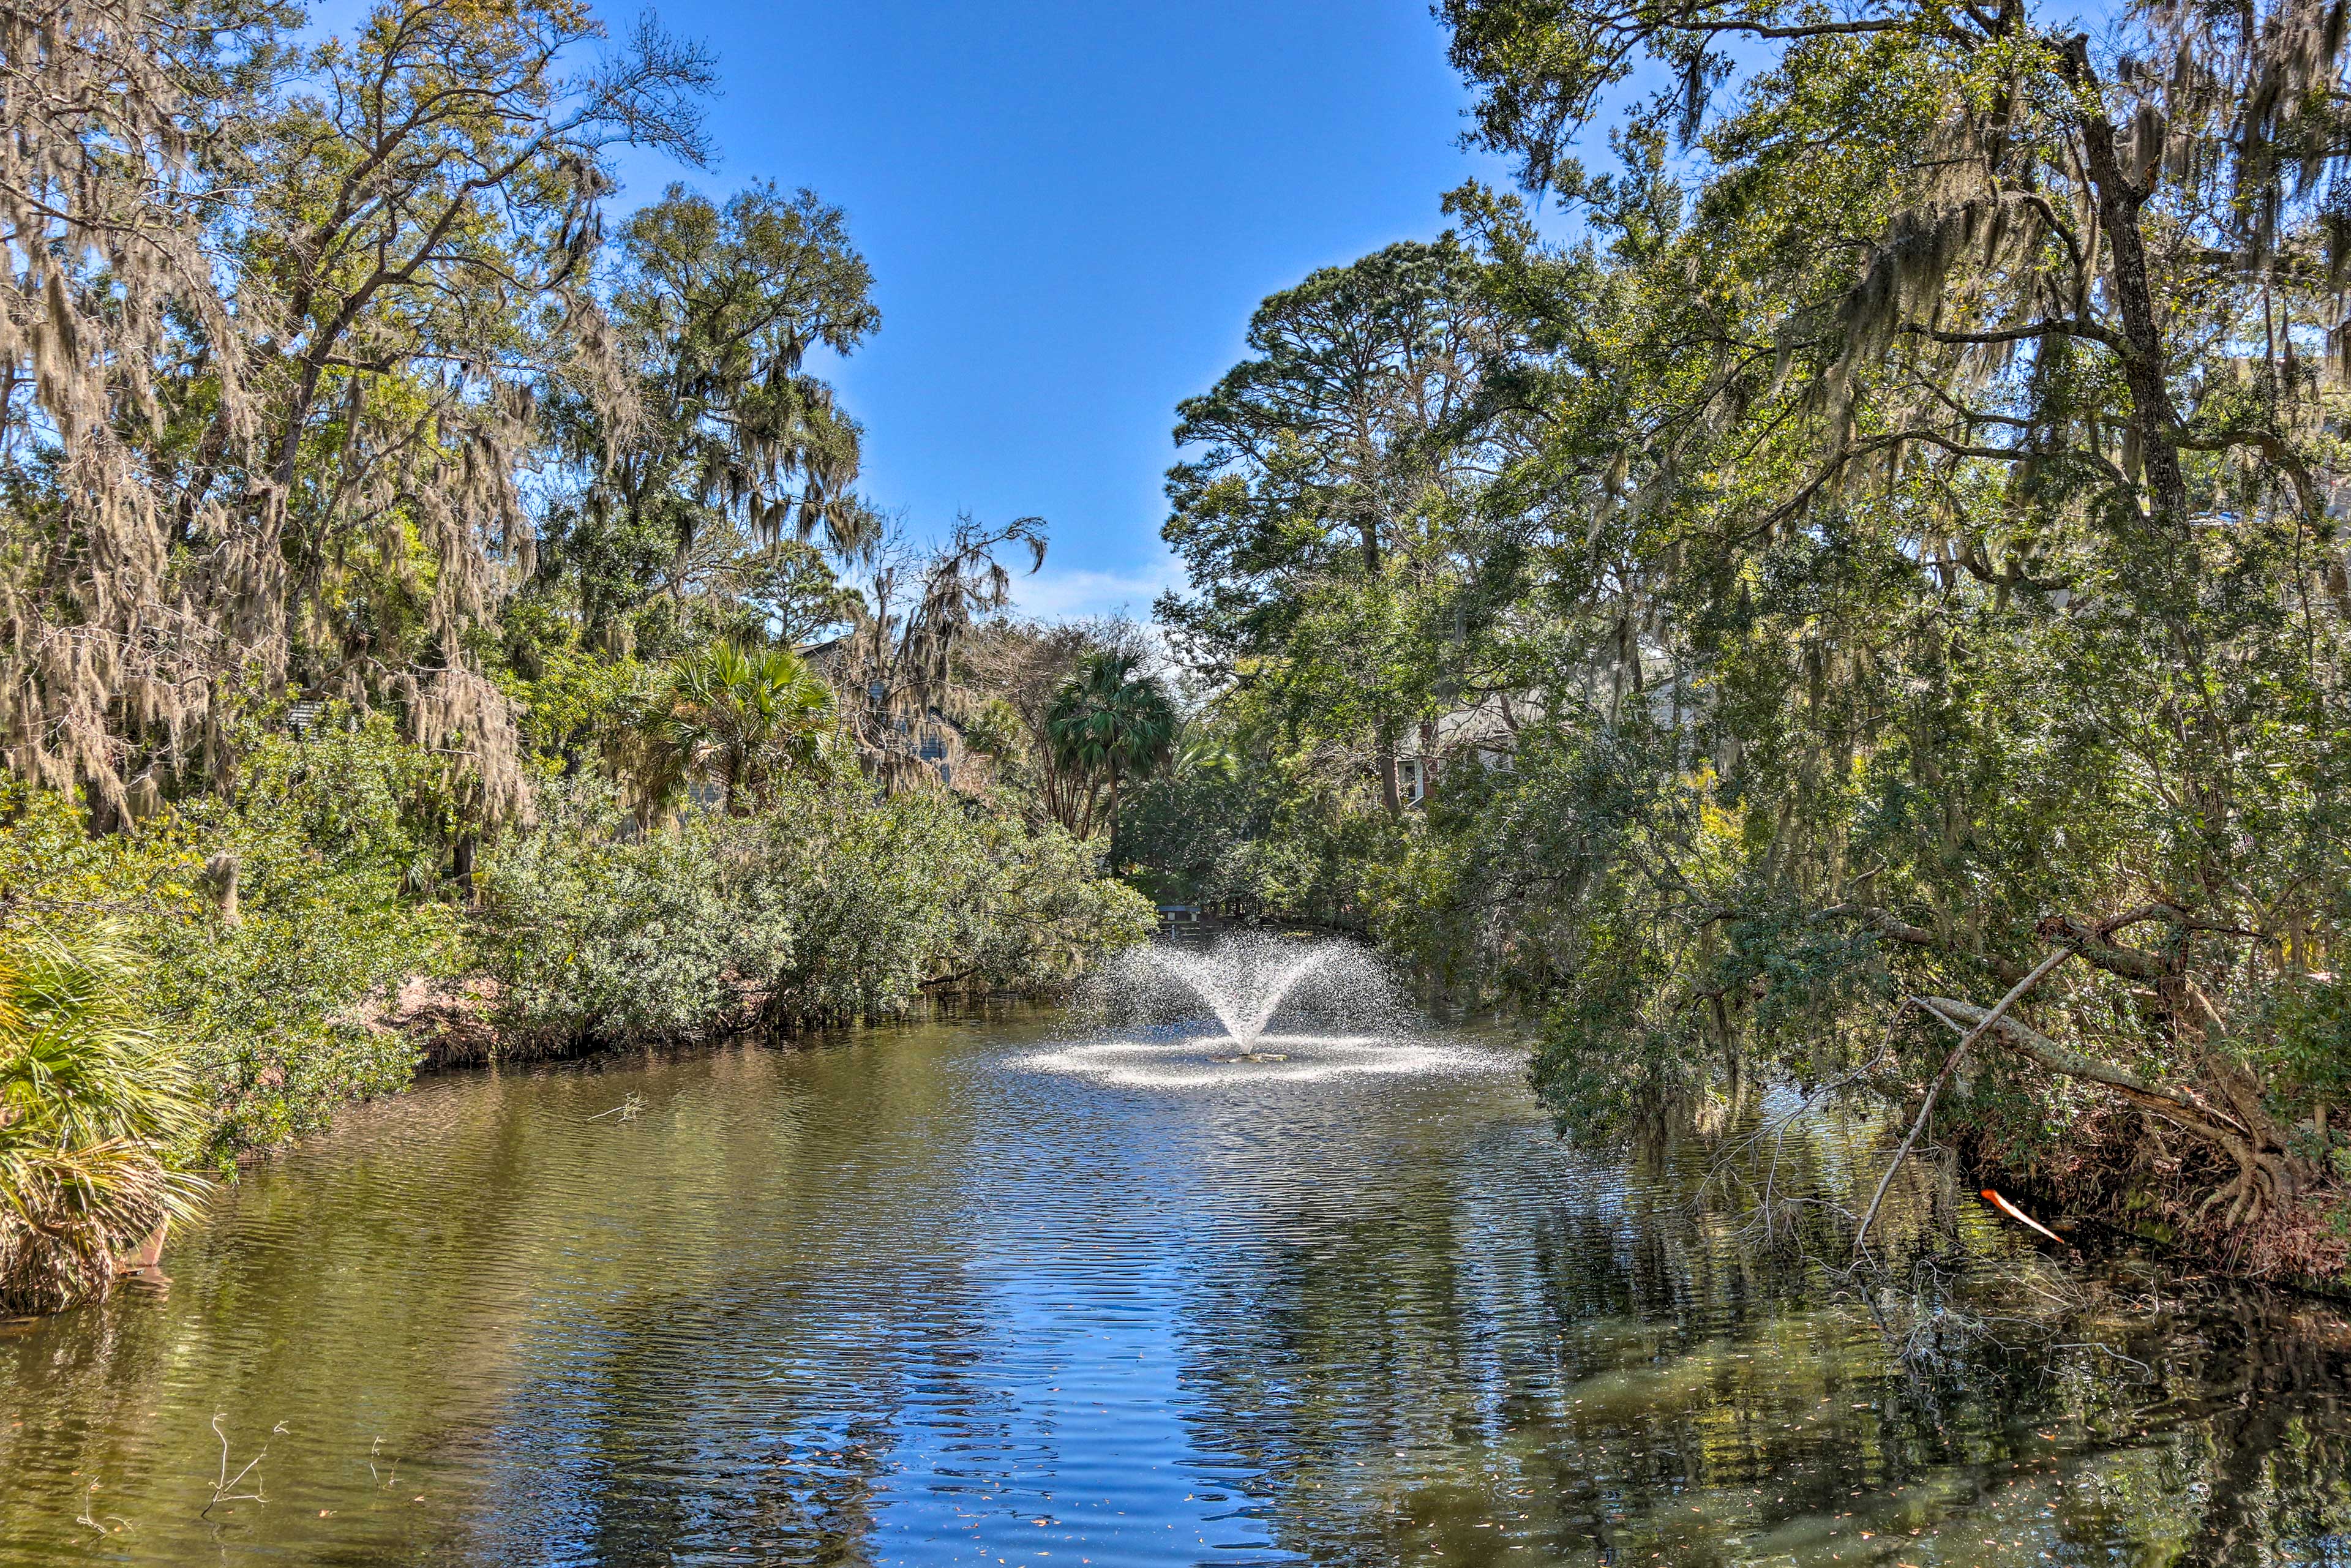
(741, 714)
(89, 1099)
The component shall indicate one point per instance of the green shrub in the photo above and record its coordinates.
(337, 843)
(594, 930)
(927, 890)
(828, 904)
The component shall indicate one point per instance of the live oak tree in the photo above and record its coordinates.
(122, 129)
(1956, 434)
(282, 311)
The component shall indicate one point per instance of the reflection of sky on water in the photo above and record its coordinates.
(910, 1298)
(1218, 1061)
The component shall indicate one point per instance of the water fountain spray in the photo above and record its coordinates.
(1256, 1009)
(1245, 983)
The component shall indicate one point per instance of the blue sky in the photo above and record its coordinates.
(1071, 210)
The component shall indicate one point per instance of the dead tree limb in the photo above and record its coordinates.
(1967, 1039)
(2266, 1173)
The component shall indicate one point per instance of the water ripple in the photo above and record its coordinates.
(1004, 1291)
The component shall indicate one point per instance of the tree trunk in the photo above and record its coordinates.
(221, 872)
(1368, 534)
(2143, 359)
(461, 863)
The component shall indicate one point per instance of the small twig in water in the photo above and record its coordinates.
(89, 1510)
(221, 1492)
(383, 1481)
(628, 1110)
(2110, 1350)
(1775, 1131)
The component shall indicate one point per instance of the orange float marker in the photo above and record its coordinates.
(2019, 1215)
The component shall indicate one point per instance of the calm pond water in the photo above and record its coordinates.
(916, 1297)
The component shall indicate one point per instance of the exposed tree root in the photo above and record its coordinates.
(2223, 1112)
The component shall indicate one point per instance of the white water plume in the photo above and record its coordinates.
(1254, 1009)
(1286, 1059)
(1244, 983)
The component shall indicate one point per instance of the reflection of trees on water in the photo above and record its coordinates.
(1467, 1363)
(752, 1408)
(679, 1437)
(440, 1176)
(2266, 1429)
(1406, 1323)
(570, 1335)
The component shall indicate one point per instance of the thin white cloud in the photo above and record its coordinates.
(1075, 593)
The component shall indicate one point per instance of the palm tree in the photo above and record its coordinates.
(1201, 751)
(1108, 723)
(89, 1101)
(742, 715)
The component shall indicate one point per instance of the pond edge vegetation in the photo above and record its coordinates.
(1869, 546)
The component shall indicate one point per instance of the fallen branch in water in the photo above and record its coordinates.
(2268, 1173)
(90, 1511)
(1967, 1039)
